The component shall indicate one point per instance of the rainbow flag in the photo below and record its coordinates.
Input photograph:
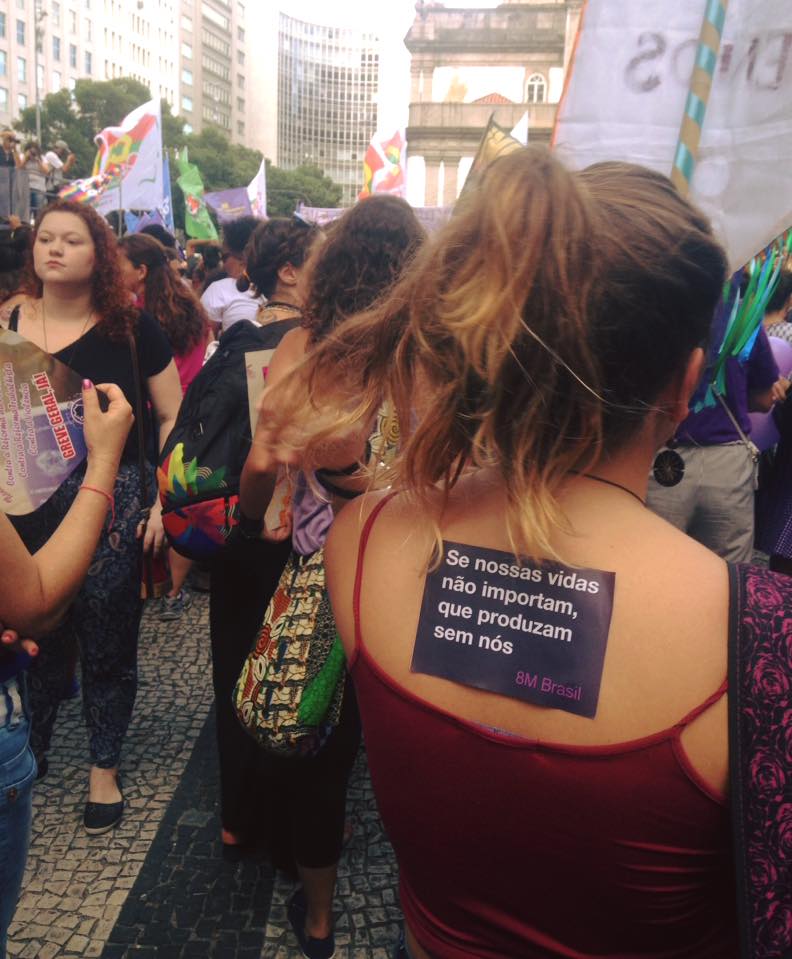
(127, 172)
(384, 166)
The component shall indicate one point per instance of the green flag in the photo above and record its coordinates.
(197, 222)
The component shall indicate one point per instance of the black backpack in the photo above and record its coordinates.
(201, 462)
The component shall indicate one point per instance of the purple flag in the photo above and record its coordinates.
(229, 204)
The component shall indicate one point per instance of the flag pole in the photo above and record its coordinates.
(707, 51)
(120, 203)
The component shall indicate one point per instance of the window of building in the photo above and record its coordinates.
(3, 32)
(241, 104)
(21, 69)
(3, 64)
(240, 81)
(3, 99)
(187, 103)
(240, 128)
(241, 34)
(187, 76)
(87, 31)
(535, 89)
(72, 55)
(20, 4)
(240, 58)
(55, 14)
(88, 62)
(57, 80)
(21, 101)
(186, 49)
(56, 48)
(188, 128)
(72, 83)
(73, 21)
(214, 17)
(186, 22)
(20, 32)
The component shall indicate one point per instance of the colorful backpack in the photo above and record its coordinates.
(202, 460)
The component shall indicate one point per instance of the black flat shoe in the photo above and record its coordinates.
(100, 817)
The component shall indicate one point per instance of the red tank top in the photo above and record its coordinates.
(509, 847)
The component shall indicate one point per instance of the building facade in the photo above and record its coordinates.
(328, 85)
(69, 38)
(468, 65)
(214, 64)
(191, 53)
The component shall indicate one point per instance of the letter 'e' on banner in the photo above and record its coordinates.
(627, 92)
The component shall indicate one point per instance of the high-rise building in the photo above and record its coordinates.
(213, 80)
(328, 84)
(68, 38)
(139, 39)
(191, 53)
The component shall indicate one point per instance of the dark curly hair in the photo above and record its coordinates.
(365, 252)
(237, 233)
(117, 318)
(272, 245)
(177, 310)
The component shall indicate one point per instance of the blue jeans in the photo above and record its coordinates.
(17, 772)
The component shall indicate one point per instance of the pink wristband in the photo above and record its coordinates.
(107, 496)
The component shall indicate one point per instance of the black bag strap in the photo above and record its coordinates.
(13, 320)
(139, 421)
(147, 573)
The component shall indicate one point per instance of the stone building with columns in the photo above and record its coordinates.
(468, 64)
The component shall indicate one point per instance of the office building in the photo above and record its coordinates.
(328, 84)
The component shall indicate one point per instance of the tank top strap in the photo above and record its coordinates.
(13, 319)
(364, 537)
(702, 707)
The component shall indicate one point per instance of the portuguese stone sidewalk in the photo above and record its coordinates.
(157, 886)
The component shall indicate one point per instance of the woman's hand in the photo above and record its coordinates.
(154, 538)
(9, 640)
(106, 433)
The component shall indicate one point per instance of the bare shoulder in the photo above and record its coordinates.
(289, 352)
(348, 524)
(294, 343)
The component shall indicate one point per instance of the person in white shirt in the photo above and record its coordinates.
(60, 160)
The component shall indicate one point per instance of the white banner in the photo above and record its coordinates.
(627, 94)
(257, 191)
(132, 154)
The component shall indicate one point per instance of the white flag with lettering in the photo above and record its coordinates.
(627, 94)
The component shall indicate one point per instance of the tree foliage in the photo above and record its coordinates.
(307, 183)
(77, 117)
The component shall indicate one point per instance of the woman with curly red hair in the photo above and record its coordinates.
(78, 309)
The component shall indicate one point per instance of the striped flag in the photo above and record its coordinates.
(384, 166)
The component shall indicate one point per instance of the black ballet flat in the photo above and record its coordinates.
(101, 817)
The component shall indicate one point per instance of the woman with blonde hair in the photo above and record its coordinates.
(546, 716)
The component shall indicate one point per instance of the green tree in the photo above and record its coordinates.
(78, 117)
(59, 121)
(105, 103)
(307, 183)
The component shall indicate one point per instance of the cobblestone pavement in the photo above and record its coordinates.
(157, 886)
(367, 907)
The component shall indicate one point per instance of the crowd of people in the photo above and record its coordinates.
(541, 355)
(29, 175)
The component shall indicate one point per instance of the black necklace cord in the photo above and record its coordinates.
(607, 482)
